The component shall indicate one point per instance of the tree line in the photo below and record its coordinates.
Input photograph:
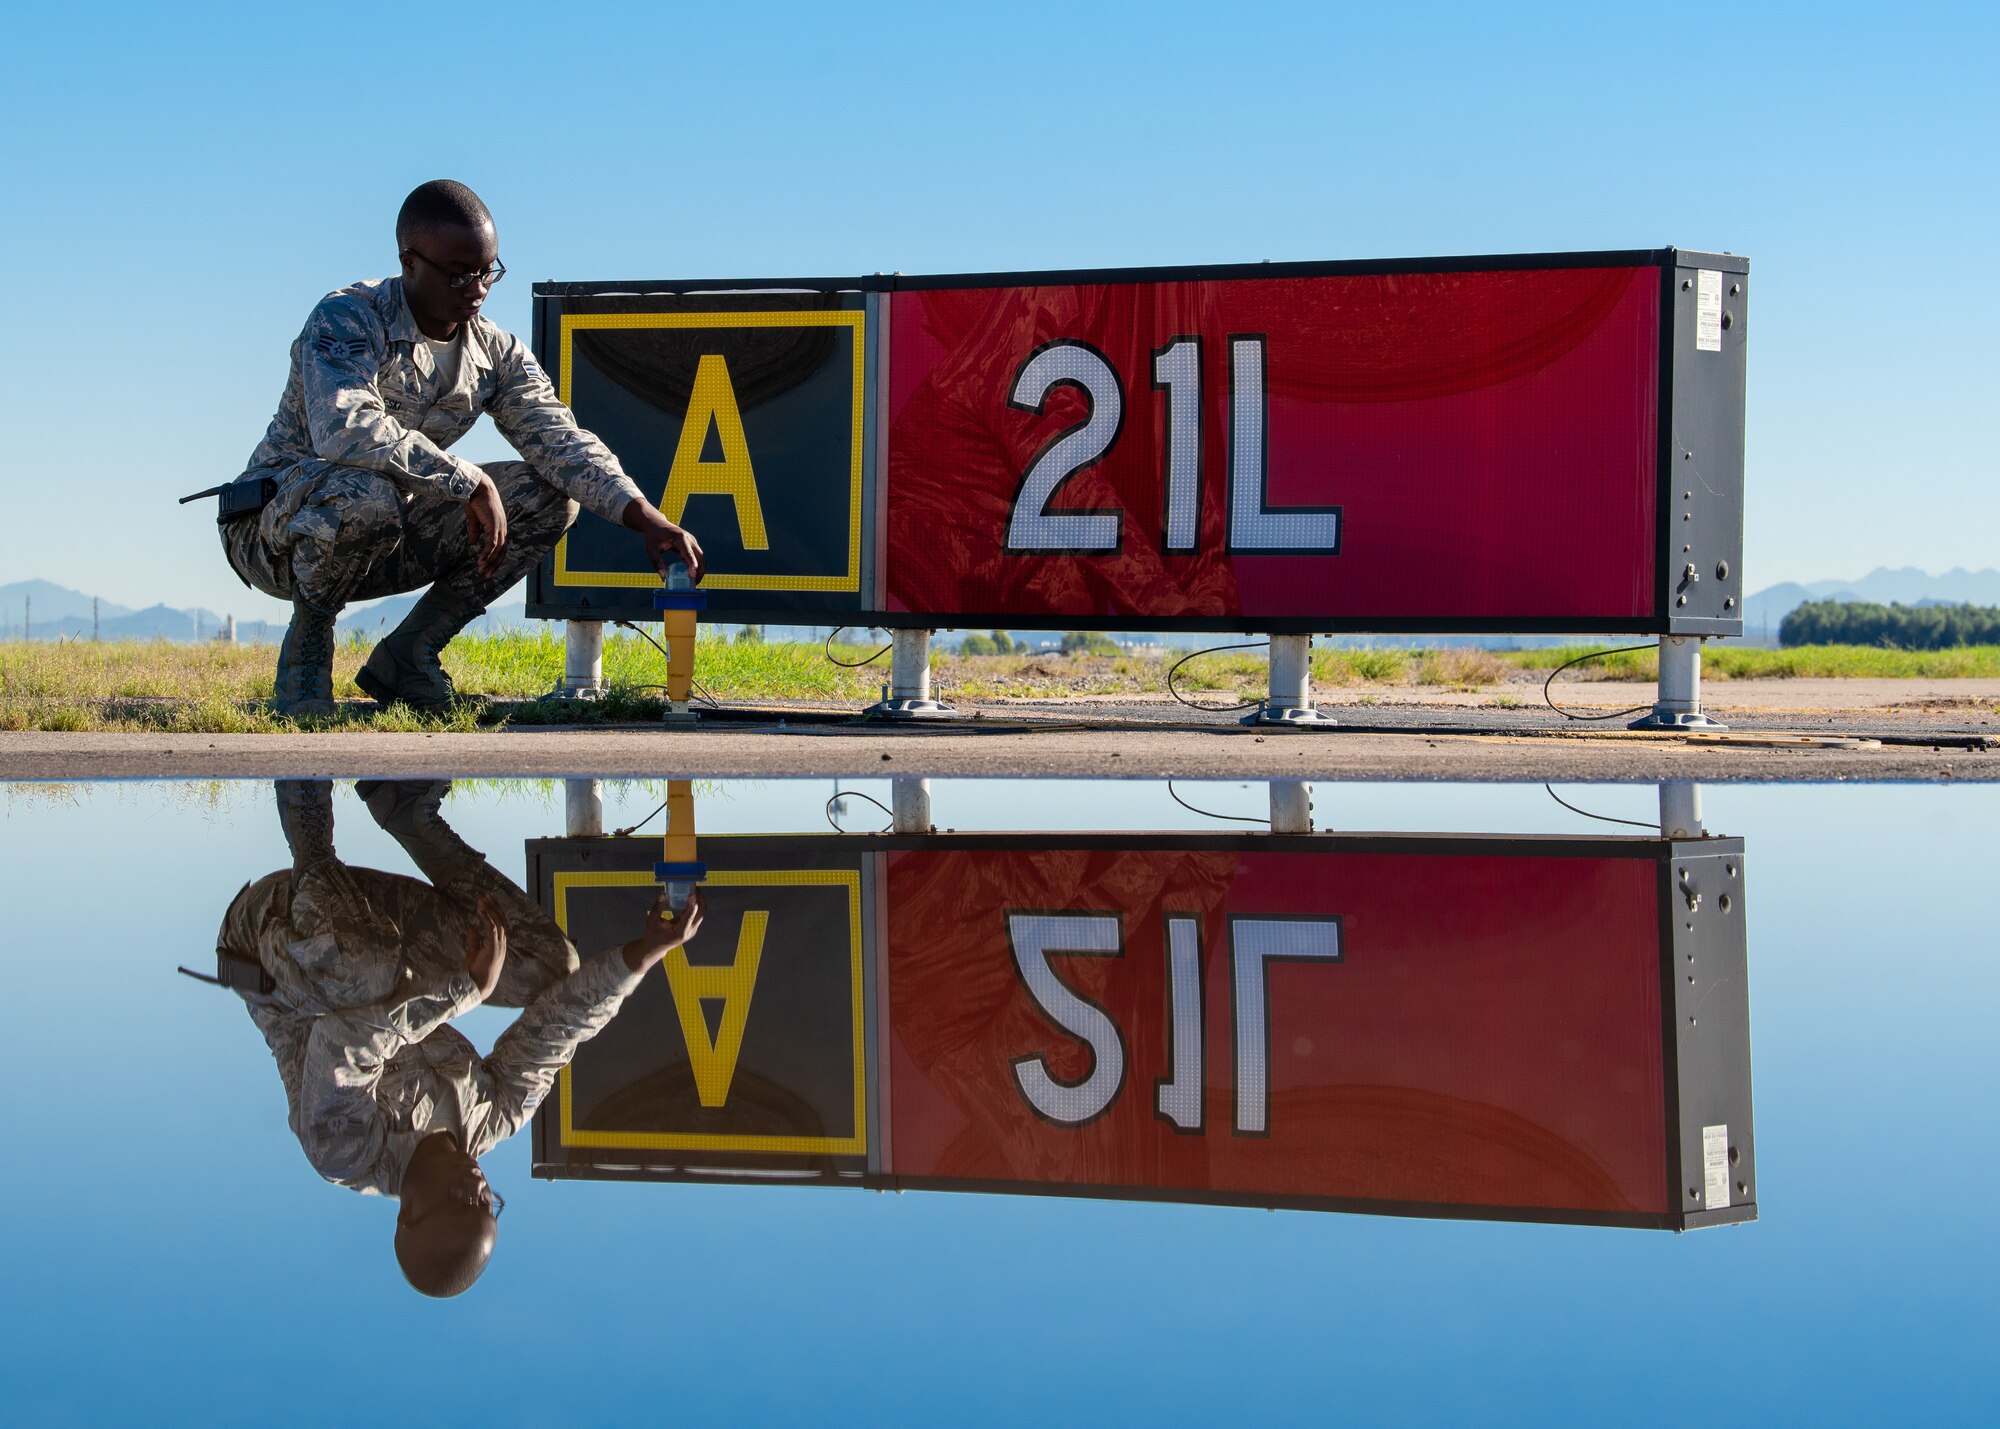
(1897, 627)
(1074, 642)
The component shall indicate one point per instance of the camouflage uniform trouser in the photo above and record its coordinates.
(338, 534)
(378, 926)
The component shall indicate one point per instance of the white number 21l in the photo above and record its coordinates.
(1254, 527)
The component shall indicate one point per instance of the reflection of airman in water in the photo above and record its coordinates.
(369, 967)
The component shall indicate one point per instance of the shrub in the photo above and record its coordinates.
(1088, 642)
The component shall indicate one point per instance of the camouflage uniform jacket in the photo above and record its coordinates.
(366, 1083)
(364, 392)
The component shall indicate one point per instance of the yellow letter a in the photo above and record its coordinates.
(714, 399)
(714, 1061)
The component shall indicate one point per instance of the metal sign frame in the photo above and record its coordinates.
(1704, 1015)
(1698, 578)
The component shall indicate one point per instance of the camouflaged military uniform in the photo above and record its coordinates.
(369, 500)
(368, 968)
(366, 1084)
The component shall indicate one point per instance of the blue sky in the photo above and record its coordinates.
(187, 181)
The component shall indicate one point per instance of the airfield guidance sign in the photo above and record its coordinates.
(1486, 1027)
(1552, 442)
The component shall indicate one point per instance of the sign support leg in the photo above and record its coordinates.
(1291, 806)
(910, 805)
(583, 808)
(1290, 699)
(1679, 702)
(583, 660)
(1680, 810)
(908, 693)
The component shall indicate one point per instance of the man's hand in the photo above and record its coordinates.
(486, 946)
(665, 542)
(665, 930)
(486, 525)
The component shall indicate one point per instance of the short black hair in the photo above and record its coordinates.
(445, 1253)
(441, 203)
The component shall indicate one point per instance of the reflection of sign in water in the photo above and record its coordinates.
(1432, 1028)
(1538, 1028)
(749, 1040)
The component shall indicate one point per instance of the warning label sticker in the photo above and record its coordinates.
(1715, 1166)
(1708, 311)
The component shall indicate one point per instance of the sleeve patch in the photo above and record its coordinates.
(341, 349)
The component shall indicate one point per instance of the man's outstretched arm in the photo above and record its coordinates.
(538, 425)
(542, 1040)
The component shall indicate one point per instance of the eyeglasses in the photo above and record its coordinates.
(491, 1202)
(486, 277)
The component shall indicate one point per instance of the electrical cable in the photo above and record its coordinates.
(628, 625)
(857, 794)
(1246, 704)
(827, 650)
(634, 828)
(713, 702)
(1210, 813)
(1651, 828)
(1592, 655)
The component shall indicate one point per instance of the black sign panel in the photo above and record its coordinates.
(744, 418)
(749, 1047)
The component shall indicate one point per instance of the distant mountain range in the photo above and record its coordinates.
(57, 612)
(1767, 609)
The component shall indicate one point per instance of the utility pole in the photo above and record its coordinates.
(27, 617)
(93, 620)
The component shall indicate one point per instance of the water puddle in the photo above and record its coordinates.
(1476, 1041)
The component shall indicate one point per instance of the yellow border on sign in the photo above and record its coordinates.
(854, 1145)
(856, 322)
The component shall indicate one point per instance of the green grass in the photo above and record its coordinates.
(170, 688)
(1743, 662)
(213, 688)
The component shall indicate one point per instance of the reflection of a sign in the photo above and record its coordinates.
(680, 1055)
(1543, 1028)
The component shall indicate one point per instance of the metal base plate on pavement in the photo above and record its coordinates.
(1676, 719)
(1289, 716)
(909, 710)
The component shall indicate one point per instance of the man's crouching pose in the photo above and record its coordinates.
(386, 375)
(363, 972)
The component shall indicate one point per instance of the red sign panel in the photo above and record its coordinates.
(1422, 1029)
(1402, 448)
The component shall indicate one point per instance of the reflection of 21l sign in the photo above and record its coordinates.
(1253, 525)
(1254, 942)
(1507, 444)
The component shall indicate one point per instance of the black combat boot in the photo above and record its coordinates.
(305, 813)
(411, 812)
(304, 687)
(404, 665)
